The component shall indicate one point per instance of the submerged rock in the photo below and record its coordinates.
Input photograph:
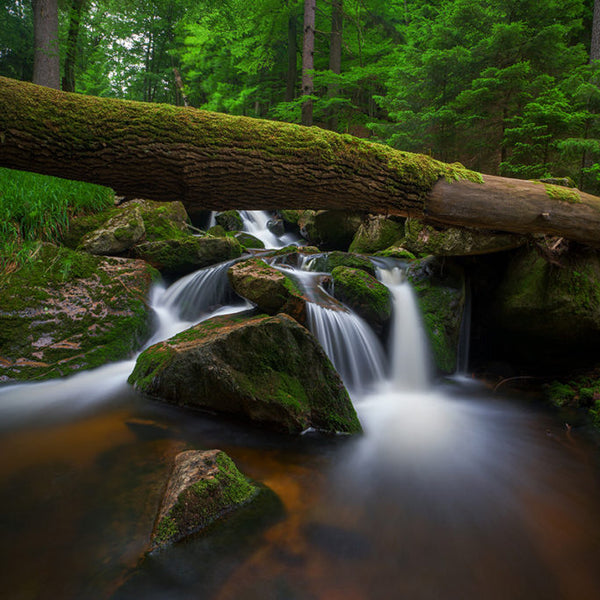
(204, 486)
(269, 370)
(271, 290)
(425, 240)
(377, 232)
(361, 292)
(178, 257)
(440, 290)
(67, 311)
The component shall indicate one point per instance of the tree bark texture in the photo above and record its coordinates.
(46, 60)
(595, 42)
(292, 56)
(216, 162)
(308, 51)
(68, 80)
(335, 54)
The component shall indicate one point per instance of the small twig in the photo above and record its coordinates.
(503, 381)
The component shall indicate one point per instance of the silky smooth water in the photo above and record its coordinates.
(451, 492)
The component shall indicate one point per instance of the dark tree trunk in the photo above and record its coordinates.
(335, 54)
(215, 161)
(68, 81)
(46, 60)
(595, 45)
(292, 55)
(308, 51)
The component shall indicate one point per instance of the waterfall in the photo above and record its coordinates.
(409, 369)
(350, 344)
(464, 340)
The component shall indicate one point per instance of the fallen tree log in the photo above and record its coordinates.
(217, 162)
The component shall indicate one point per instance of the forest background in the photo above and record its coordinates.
(508, 87)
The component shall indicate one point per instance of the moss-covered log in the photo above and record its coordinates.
(215, 161)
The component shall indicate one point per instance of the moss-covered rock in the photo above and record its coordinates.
(329, 261)
(230, 220)
(118, 233)
(204, 486)
(425, 240)
(159, 221)
(67, 311)
(440, 291)
(360, 291)
(177, 257)
(396, 252)
(377, 232)
(545, 309)
(269, 370)
(329, 229)
(271, 290)
(247, 240)
(291, 217)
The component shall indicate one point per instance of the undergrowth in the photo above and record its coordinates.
(37, 208)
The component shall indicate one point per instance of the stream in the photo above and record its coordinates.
(451, 493)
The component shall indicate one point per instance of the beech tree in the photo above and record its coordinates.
(308, 64)
(46, 60)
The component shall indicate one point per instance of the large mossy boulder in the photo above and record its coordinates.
(67, 311)
(545, 309)
(230, 220)
(329, 229)
(118, 233)
(204, 486)
(178, 257)
(440, 290)
(268, 370)
(118, 229)
(329, 261)
(425, 240)
(366, 296)
(271, 290)
(377, 232)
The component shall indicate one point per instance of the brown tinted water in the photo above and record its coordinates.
(449, 494)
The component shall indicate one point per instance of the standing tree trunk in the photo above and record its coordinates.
(335, 55)
(46, 60)
(292, 56)
(68, 80)
(308, 51)
(595, 45)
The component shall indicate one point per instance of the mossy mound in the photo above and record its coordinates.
(268, 370)
(377, 232)
(121, 227)
(118, 233)
(545, 309)
(177, 257)
(247, 240)
(327, 262)
(271, 290)
(396, 252)
(230, 220)
(67, 311)
(360, 291)
(203, 487)
(425, 240)
(440, 291)
(329, 229)
(579, 392)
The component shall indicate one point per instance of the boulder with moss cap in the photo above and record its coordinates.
(271, 290)
(267, 370)
(204, 487)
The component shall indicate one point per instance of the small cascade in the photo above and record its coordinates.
(350, 344)
(409, 368)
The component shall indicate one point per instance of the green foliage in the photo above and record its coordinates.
(38, 208)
